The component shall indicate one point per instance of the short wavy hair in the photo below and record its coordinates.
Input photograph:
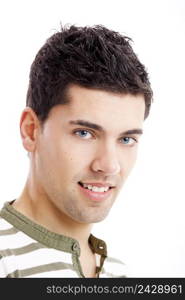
(93, 57)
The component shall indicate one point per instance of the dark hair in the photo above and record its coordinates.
(93, 57)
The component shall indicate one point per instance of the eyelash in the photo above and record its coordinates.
(93, 135)
(80, 130)
(131, 138)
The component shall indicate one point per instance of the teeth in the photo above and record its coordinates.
(95, 188)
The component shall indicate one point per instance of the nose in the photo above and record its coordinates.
(106, 162)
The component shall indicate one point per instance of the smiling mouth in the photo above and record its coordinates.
(100, 188)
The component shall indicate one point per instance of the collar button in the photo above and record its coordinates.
(75, 247)
(101, 246)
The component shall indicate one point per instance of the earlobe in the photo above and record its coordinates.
(28, 144)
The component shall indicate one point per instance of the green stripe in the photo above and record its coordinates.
(22, 250)
(77, 265)
(40, 269)
(114, 260)
(12, 230)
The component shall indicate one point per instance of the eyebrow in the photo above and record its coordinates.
(100, 128)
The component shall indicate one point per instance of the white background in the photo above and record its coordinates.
(146, 226)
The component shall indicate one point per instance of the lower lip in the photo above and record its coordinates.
(95, 196)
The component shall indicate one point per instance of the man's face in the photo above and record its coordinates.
(86, 151)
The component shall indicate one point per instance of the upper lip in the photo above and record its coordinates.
(98, 184)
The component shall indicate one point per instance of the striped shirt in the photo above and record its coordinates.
(27, 249)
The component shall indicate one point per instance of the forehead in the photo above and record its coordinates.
(107, 109)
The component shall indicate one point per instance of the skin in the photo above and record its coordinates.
(63, 153)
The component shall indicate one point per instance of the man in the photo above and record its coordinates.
(87, 99)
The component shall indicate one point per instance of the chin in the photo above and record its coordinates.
(95, 219)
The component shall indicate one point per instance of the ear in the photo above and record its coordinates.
(29, 129)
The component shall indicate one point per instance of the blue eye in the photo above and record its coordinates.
(128, 141)
(83, 134)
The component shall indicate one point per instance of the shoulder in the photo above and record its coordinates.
(6, 233)
(10, 236)
(6, 228)
(12, 241)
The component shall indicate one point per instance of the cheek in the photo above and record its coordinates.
(78, 153)
(66, 155)
(128, 160)
(75, 161)
(70, 162)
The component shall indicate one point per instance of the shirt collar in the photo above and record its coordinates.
(46, 237)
